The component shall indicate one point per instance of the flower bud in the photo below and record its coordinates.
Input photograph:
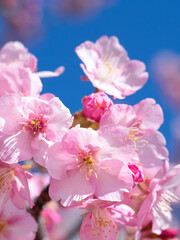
(95, 105)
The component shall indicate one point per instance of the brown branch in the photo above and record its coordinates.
(36, 210)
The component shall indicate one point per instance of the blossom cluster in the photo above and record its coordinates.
(109, 160)
(13, 11)
(32, 12)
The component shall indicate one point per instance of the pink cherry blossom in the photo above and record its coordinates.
(102, 218)
(95, 105)
(19, 80)
(14, 185)
(31, 126)
(15, 53)
(87, 166)
(109, 68)
(161, 194)
(143, 121)
(16, 224)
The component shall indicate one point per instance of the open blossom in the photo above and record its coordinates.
(31, 126)
(15, 54)
(87, 166)
(160, 194)
(16, 224)
(108, 67)
(18, 71)
(14, 185)
(95, 105)
(143, 121)
(19, 80)
(101, 221)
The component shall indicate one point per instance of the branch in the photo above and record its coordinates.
(36, 210)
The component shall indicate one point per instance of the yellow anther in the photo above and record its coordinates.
(26, 167)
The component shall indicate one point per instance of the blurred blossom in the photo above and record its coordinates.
(166, 70)
(60, 223)
(175, 128)
(23, 16)
(16, 224)
(80, 8)
(37, 183)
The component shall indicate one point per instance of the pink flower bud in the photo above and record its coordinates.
(95, 105)
(136, 173)
(169, 233)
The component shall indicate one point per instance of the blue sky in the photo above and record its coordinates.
(143, 27)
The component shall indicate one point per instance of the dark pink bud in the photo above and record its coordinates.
(95, 105)
(169, 233)
(136, 173)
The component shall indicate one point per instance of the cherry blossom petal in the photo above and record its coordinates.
(48, 74)
(149, 113)
(154, 151)
(75, 193)
(15, 148)
(58, 161)
(116, 143)
(114, 178)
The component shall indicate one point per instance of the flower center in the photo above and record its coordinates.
(111, 64)
(36, 124)
(103, 224)
(2, 225)
(136, 134)
(88, 163)
(110, 61)
(6, 177)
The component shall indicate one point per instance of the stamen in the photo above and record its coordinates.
(36, 123)
(26, 167)
(162, 205)
(6, 177)
(2, 225)
(88, 163)
(136, 134)
(102, 223)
